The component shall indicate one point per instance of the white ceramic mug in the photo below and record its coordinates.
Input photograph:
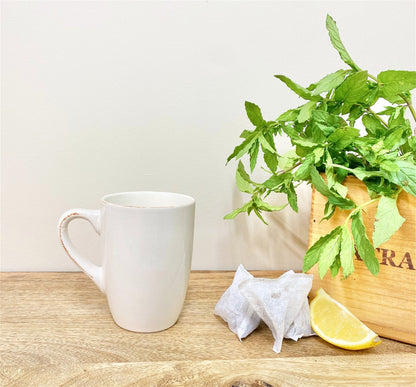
(147, 240)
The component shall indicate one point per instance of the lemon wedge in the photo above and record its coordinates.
(334, 323)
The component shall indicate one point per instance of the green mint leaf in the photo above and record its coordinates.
(355, 113)
(244, 147)
(372, 96)
(292, 197)
(329, 210)
(288, 160)
(246, 208)
(303, 172)
(264, 206)
(328, 119)
(253, 152)
(314, 253)
(397, 117)
(410, 145)
(334, 198)
(319, 131)
(360, 172)
(342, 137)
(242, 172)
(353, 89)
(324, 124)
(341, 189)
(335, 266)
(299, 90)
(303, 142)
(254, 114)
(246, 133)
(306, 111)
(394, 138)
(388, 220)
(290, 130)
(266, 146)
(333, 184)
(362, 243)
(290, 115)
(341, 175)
(388, 111)
(269, 153)
(243, 179)
(329, 169)
(396, 82)
(346, 252)
(402, 80)
(271, 160)
(330, 81)
(276, 181)
(332, 28)
(329, 252)
(258, 213)
(269, 137)
(373, 125)
(378, 148)
(318, 153)
(381, 187)
(405, 177)
(389, 165)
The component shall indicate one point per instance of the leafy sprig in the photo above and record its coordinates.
(326, 141)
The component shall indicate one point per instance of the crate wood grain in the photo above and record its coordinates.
(387, 302)
(56, 330)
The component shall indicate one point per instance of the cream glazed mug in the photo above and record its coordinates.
(147, 240)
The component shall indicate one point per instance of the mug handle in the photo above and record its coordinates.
(94, 217)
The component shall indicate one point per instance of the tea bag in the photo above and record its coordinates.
(235, 309)
(282, 304)
(301, 326)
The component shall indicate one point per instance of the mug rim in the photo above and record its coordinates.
(190, 200)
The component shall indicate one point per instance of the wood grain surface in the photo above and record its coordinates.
(56, 330)
(386, 303)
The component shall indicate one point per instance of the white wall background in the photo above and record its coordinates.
(102, 97)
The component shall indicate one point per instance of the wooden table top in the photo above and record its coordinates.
(56, 330)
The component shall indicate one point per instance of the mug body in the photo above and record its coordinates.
(147, 246)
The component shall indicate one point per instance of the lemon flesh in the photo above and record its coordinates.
(334, 323)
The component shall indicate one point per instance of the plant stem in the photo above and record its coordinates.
(289, 169)
(373, 77)
(355, 172)
(409, 105)
(281, 172)
(359, 208)
(340, 166)
(378, 117)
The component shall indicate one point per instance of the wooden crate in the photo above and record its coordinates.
(386, 303)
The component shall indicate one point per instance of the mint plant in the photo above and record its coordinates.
(325, 140)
